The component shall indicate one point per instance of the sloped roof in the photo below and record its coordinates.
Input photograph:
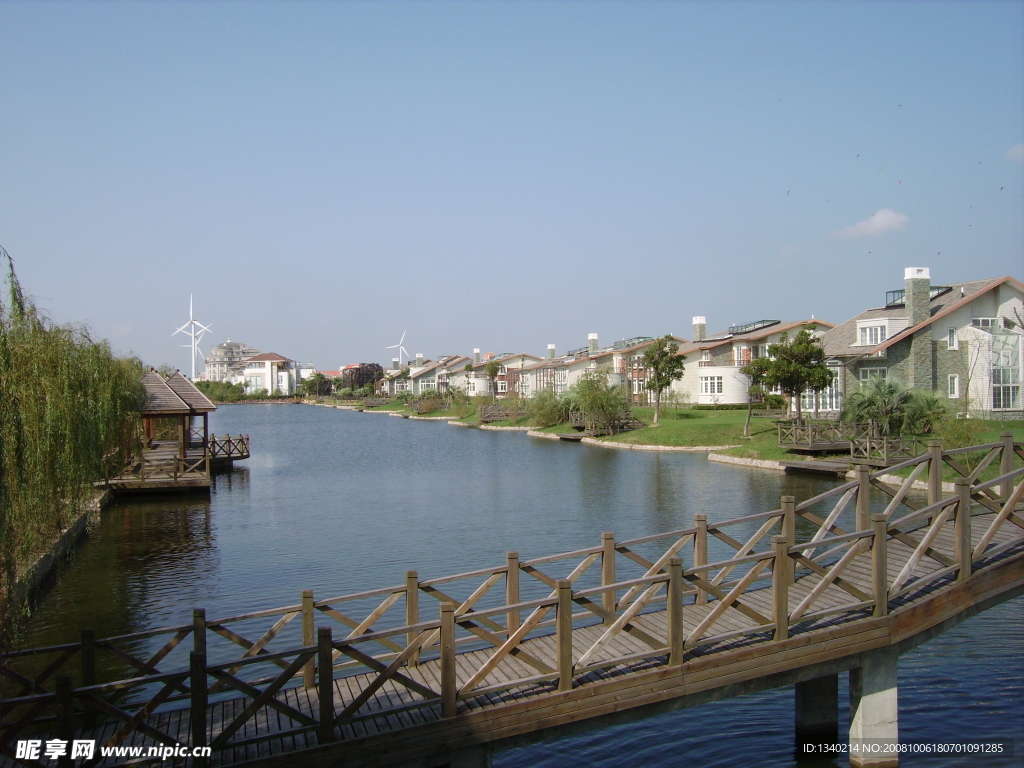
(719, 339)
(188, 392)
(840, 341)
(160, 398)
(272, 357)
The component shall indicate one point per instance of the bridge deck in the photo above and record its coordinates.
(260, 729)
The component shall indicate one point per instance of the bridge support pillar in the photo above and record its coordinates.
(817, 713)
(874, 714)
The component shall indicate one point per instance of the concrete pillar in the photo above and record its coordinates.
(874, 711)
(817, 713)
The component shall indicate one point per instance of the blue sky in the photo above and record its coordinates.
(323, 176)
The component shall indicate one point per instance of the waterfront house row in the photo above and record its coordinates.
(962, 341)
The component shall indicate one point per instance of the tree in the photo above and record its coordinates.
(663, 367)
(793, 366)
(316, 385)
(492, 369)
(602, 404)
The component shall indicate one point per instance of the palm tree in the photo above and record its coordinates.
(889, 406)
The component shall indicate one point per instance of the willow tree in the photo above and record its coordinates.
(69, 412)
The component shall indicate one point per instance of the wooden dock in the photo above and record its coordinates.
(821, 466)
(534, 648)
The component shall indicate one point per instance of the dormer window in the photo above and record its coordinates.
(870, 335)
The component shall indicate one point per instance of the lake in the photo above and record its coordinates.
(339, 501)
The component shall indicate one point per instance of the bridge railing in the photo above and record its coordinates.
(742, 591)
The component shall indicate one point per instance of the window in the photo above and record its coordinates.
(954, 386)
(1005, 372)
(952, 342)
(866, 374)
(711, 385)
(705, 356)
(870, 335)
(990, 323)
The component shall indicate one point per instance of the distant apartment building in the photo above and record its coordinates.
(226, 361)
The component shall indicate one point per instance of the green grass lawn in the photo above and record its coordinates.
(688, 427)
(558, 429)
(522, 421)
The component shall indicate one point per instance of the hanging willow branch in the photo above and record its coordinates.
(69, 411)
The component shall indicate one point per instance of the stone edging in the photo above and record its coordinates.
(757, 463)
(459, 424)
(504, 429)
(29, 582)
(918, 485)
(545, 435)
(430, 418)
(669, 448)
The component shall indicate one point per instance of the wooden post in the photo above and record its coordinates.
(780, 587)
(1006, 463)
(789, 526)
(610, 598)
(512, 589)
(448, 681)
(863, 497)
(197, 695)
(962, 528)
(88, 674)
(325, 686)
(199, 630)
(563, 634)
(675, 612)
(308, 639)
(65, 726)
(412, 611)
(700, 552)
(934, 471)
(880, 565)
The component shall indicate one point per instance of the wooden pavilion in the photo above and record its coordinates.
(175, 452)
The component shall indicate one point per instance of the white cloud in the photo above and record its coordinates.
(1016, 152)
(878, 223)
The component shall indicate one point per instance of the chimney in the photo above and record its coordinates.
(917, 283)
(419, 358)
(476, 355)
(551, 351)
(700, 328)
(592, 343)
(394, 363)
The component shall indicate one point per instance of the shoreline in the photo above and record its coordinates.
(30, 584)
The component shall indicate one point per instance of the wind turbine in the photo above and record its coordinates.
(189, 329)
(400, 348)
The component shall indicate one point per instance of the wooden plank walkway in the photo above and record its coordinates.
(485, 674)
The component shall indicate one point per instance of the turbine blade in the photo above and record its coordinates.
(403, 337)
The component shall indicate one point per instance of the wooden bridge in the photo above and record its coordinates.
(863, 442)
(445, 671)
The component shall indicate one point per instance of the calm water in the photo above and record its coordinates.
(339, 501)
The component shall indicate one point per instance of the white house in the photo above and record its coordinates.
(712, 374)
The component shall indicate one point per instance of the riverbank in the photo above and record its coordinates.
(718, 433)
(31, 578)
